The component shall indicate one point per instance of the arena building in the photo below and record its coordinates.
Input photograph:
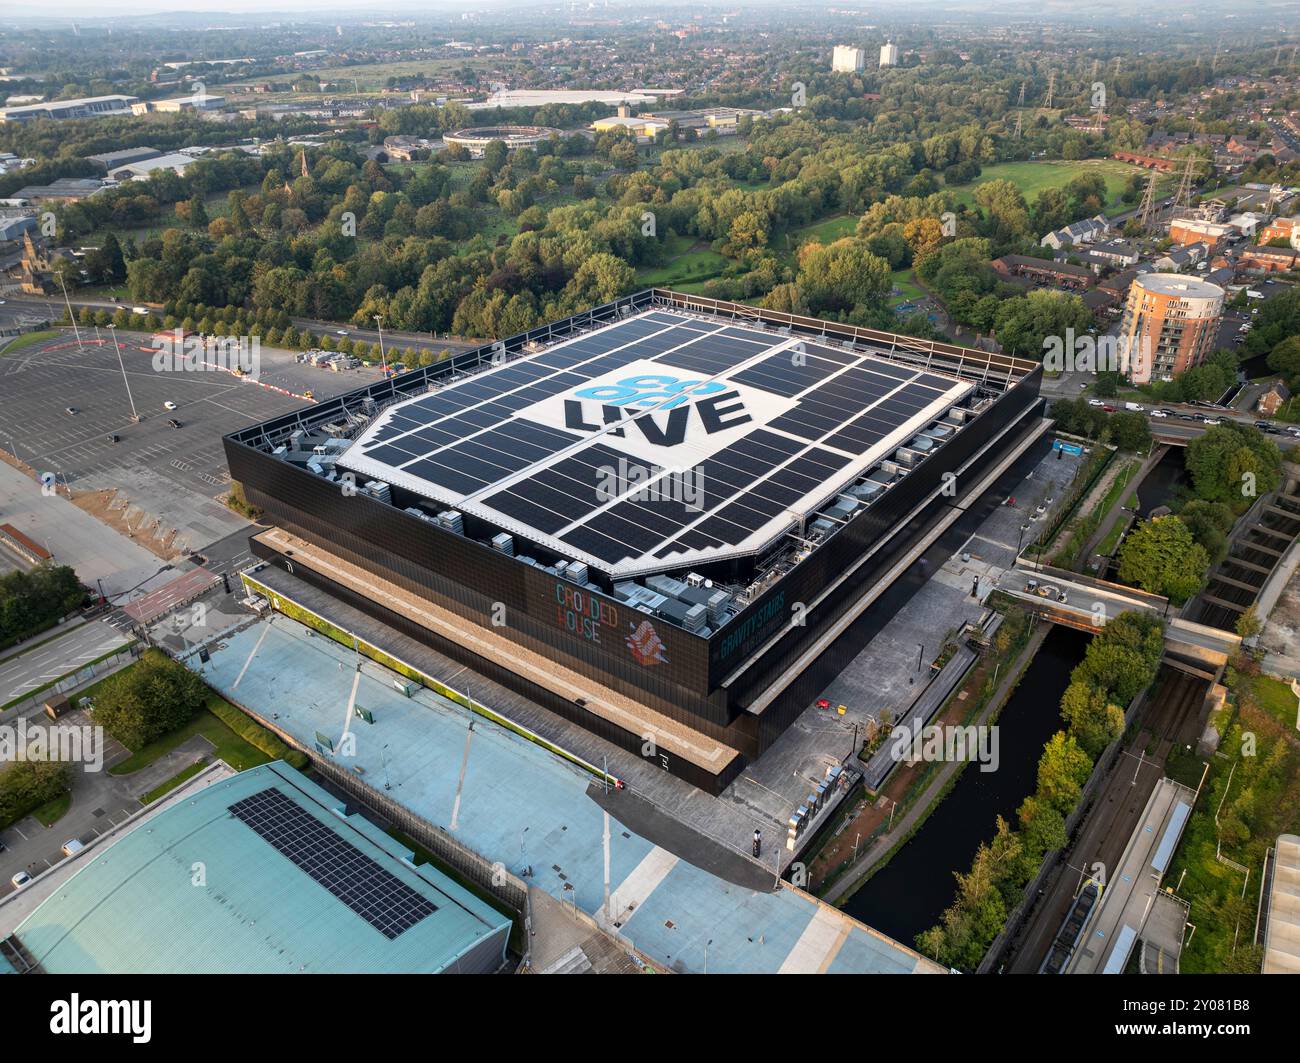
(512, 136)
(649, 518)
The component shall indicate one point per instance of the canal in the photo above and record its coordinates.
(909, 894)
(1162, 482)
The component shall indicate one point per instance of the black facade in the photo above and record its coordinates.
(586, 631)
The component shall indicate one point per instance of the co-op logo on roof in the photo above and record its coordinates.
(715, 406)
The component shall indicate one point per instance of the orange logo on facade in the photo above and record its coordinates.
(646, 646)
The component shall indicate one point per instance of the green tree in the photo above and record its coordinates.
(1161, 557)
(151, 698)
(1234, 464)
(1093, 720)
(1062, 770)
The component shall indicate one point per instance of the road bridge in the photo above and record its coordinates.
(1089, 603)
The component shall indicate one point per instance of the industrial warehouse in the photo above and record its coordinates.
(652, 518)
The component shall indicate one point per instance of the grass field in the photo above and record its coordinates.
(228, 746)
(1033, 176)
(685, 267)
(28, 340)
(51, 812)
(370, 77)
(908, 290)
(181, 776)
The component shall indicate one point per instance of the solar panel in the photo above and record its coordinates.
(374, 893)
(660, 436)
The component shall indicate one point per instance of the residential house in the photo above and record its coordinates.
(1044, 272)
(1081, 232)
(1271, 401)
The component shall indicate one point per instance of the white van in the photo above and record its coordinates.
(1136, 407)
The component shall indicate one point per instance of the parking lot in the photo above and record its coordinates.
(173, 474)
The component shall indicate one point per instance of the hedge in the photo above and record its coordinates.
(258, 736)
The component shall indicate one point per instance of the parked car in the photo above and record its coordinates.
(72, 847)
(20, 880)
(1095, 402)
(1212, 422)
(71, 410)
(169, 405)
(173, 422)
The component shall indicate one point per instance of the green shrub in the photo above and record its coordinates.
(258, 736)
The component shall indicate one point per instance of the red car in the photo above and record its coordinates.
(1109, 409)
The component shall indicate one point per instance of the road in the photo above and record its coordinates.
(24, 672)
(27, 306)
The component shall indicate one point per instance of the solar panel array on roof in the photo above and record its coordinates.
(658, 441)
(378, 896)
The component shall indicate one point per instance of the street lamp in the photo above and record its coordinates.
(383, 358)
(134, 416)
(71, 317)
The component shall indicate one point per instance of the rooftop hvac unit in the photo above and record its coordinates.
(578, 571)
(504, 542)
(694, 579)
(841, 507)
(695, 618)
(280, 451)
(867, 490)
(888, 469)
(452, 521)
(905, 457)
(666, 585)
(717, 605)
(380, 490)
(561, 568)
(959, 415)
(295, 439)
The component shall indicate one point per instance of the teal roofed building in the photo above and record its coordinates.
(262, 872)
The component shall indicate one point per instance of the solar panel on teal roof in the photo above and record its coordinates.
(198, 889)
